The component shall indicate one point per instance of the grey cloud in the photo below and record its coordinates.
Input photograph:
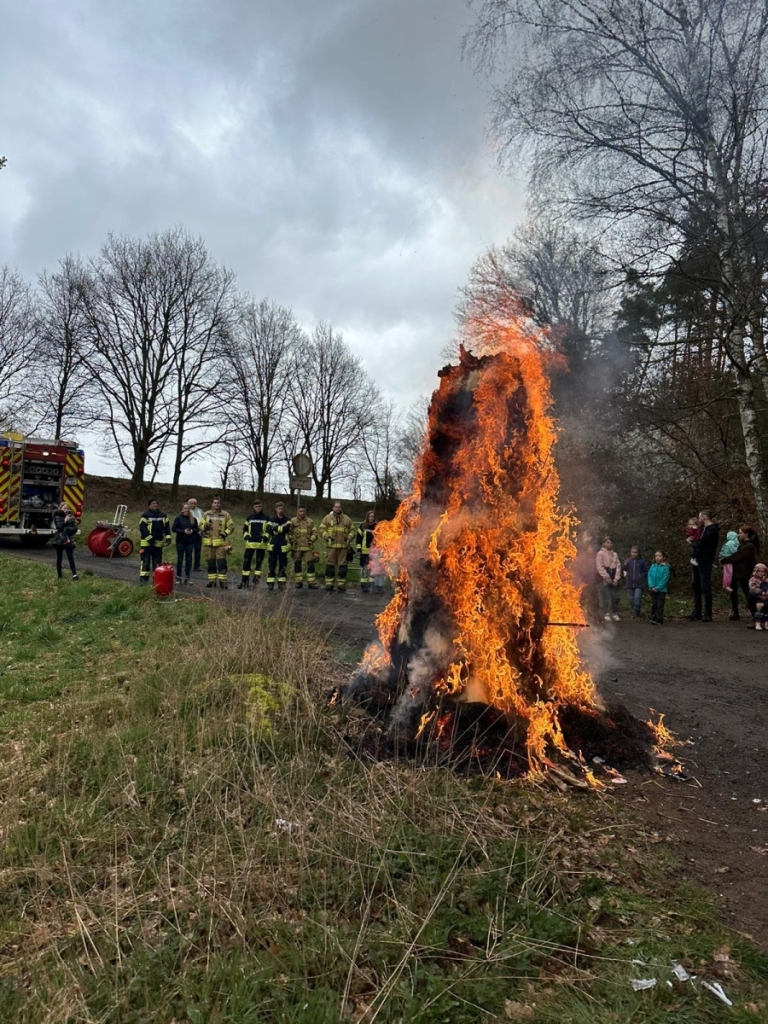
(331, 152)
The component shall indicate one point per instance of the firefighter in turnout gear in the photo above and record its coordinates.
(279, 528)
(338, 533)
(303, 539)
(256, 539)
(155, 534)
(363, 544)
(215, 526)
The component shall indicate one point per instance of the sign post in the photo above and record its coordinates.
(302, 475)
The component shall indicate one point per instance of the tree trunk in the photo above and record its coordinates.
(756, 463)
(177, 463)
(137, 477)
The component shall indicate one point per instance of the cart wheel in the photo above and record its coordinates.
(124, 547)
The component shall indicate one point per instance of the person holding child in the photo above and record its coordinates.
(658, 585)
(742, 563)
(758, 592)
(635, 573)
(608, 568)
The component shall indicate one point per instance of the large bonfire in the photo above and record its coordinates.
(484, 617)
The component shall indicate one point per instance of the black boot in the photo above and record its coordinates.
(211, 583)
(299, 586)
(223, 585)
(243, 584)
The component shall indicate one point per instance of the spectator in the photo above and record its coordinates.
(609, 570)
(658, 584)
(730, 547)
(65, 525)
(743, 563)
(758, 591)
(584, 573)
(704, 551)
(198, 537)
(186, 528)
(635, 573)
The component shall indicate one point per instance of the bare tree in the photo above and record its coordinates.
(16, 341)
(260, 355)
(380, 444)
(201, 326)
(332, 402)
(156, 315)
(650, 115)
(62, 384)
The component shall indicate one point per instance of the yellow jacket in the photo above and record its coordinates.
(337, 531)
(216, 527)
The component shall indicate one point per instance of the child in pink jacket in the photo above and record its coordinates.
(758, 593)
(608, 568)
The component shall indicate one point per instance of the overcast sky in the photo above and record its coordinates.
(332, 152)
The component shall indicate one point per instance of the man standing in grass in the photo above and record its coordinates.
(256, 537)
(216, 525)
(154, 534)
(338, 533)
(279, 538)
(303, 539)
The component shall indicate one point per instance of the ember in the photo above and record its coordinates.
(467, 653)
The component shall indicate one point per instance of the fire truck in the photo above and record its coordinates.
(36, 476)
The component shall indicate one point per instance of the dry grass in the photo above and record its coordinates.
(186, 841)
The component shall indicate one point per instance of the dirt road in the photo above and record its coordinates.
(710, 681)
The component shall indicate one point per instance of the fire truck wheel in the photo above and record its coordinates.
(124, 547)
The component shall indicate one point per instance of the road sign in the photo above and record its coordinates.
(302, 466)
(301, 483)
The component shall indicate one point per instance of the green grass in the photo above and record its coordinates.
(148, 751)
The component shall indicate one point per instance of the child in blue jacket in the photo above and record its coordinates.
(658, 584)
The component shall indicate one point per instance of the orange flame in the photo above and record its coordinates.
(494, 544)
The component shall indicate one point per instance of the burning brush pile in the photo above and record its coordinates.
(477, 661)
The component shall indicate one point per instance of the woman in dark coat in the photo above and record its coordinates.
(743, 560)
(65, 525)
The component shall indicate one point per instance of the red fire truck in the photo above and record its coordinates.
(36, 475)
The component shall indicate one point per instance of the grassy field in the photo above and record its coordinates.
(185, 840)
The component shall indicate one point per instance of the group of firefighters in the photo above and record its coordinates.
(272, 539)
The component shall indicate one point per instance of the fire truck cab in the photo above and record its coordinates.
(36, 476)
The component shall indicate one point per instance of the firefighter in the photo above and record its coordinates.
(363, 545)
(155, 534)
(338, 533)
(303, 539)
(256, 537)
(279, 540)
(215, 526)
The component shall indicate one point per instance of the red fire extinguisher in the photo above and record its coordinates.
(162, 580)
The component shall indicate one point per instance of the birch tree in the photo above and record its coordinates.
(651, 116)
